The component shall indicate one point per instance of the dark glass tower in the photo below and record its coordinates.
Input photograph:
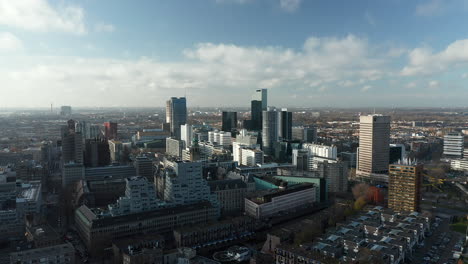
(285, 124)
(229, 121)
(256, 114)
(178, 115)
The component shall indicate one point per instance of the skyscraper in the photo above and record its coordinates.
(374, 147)
(110, 130)
(144, 167)
(178, 114)
(270, 130)
(256, 115)
(186, 132)
(65, 110)
(229, 121)
(72, 148)
(168, 111)
(97, 153)
(262, 96)
(285, 124)
(404, 188)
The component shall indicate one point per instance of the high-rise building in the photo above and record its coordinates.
(144, 167)
(454, 145)
(229, 121)
(72, 148)
(87, 130)
(110, 130)
(374, 145)
(336, 175)
(97, 153)
(178, 114)
(168, 111)
(404, 188)
(174, 147)
(65, 110)
(251, 157)
(72, 173)
(397, 153)
(186, 132)
(256, 115)
(285, 124)
(305, 134)
(270, 130)
(262, 96)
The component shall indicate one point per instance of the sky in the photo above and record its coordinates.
(307, 53)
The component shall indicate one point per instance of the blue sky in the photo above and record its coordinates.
(306, 52)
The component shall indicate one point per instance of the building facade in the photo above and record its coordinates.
(374, 144)
(404, 189)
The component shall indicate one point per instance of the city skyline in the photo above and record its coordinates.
(307, 53)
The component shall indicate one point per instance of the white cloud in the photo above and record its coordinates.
(433, 84)
(465, 75)
(222, 70)
(104, 27)
(39, 15)
(9, 42)
(431, 8)
(424, 61)
(366, 88)
(411, 85)
(290, 5)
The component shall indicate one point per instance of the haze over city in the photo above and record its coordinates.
(307, 53)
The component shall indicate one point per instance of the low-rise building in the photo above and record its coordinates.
(57, 254)
(276, 201)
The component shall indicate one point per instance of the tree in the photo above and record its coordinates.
(360, 203)
(360, 190)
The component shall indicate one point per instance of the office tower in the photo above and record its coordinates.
(397, 153)
(454, 145)
(119, 151)
(186, 134)
(220, 138)
(256, 115)
(404, 189)
(97, 153)
(168, 111)
(174, 147)
(336, 175)
(110, 130)
(178, 114)
(65, 110)
(229, 122)
(144, 167)
(71, 124)
(251, 157)
(300, 159)
(270, 130)
(374, 145)
(285, 124)
(262, 96)
(305, 134)
(72, 148)
(72, 173)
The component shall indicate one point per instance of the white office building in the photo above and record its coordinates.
(454, 145)
(271, 204)
(220, 138)
(186, 134)
(251, 157)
